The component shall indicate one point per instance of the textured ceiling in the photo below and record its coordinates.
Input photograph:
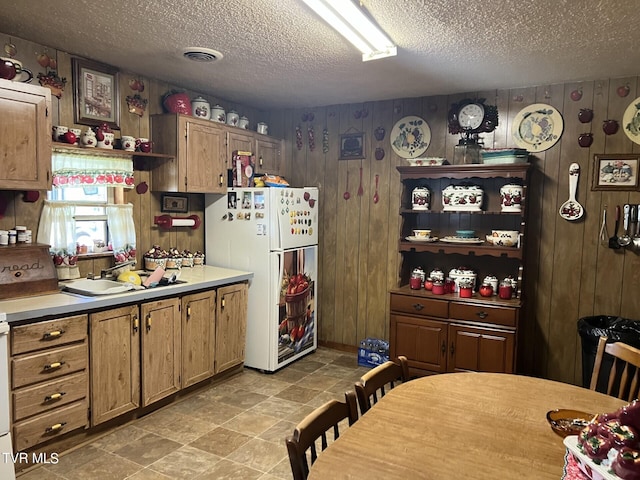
(277, 53)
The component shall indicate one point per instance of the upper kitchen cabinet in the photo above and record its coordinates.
(199, 149)
(269, 155)
(25, 136)
(241, 140)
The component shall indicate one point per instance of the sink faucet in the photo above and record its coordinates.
(104, 271)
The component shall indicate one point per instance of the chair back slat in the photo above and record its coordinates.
(375, 383)
(623, 377)
(302, 444)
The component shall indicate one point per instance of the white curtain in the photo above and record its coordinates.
(57, 228)
(122, 232)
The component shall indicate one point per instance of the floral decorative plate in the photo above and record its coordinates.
(472, 241)
(410, 137)
(537, 127)
(422, 239)
(631, 121)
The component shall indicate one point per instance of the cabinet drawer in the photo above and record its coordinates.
(419, 306)
(37, 336)
(43, 397)
(485, 314)
(54, 363)
(49, 425)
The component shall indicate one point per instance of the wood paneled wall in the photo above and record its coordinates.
(569, 273)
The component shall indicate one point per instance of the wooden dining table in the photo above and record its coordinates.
(460, 426)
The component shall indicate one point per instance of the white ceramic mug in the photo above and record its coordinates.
(58, 131)
(107, 142)
(128, 143)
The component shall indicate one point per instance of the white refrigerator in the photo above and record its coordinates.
(272, 232)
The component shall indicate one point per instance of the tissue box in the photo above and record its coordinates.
(373, 352)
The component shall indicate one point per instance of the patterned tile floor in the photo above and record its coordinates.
(232, 430)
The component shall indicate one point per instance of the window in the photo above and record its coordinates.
(90, 212)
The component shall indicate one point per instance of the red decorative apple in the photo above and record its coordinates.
(576, 94)
(585, 115)
(610, 126)
(43, 59)
(70, 137)
(585, 139)
(623, 90)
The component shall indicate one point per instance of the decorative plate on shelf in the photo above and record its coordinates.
(537, 127)
(410, 137)
(422, 239)
(631, 121)
(471, 241)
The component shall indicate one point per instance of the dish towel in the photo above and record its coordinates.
(571, 471)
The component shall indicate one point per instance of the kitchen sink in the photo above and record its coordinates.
(101, 286)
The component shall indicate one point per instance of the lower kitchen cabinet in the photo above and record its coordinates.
(115, 362)
(439, 336)
(161, 349)
(231, 326)
(49, 380)
(198, 337)
(130, 357)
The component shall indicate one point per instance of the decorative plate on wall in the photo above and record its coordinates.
(631, 121)
(537, 127)
(410, 137)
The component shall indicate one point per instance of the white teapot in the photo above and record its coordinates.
(88, 138)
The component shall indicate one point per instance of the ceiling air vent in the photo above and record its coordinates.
(199, 54)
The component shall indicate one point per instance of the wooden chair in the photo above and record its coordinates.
(315, 426)
(381, 377)
(624, 375)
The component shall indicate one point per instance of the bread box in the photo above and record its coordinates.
(26, 270)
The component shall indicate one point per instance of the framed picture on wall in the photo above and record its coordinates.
(175, 203)
(352, 146)
(615, 172)
(95, 93)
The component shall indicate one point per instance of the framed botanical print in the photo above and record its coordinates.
(95, 93)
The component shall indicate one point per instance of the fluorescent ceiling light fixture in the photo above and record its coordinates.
(352, 23)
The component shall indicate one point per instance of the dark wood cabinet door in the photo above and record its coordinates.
(480, 350)
(422, 341)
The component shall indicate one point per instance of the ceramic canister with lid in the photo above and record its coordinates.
(218, 114)
(493, 281)
(233, 118)
(511, 198)
(201, 108)
(243, 122)
(262, 128)
(420, 198)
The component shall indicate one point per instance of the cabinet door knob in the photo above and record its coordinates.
(148, 322)
(443, 348)
(136, 324)
(54, 365)
(188, 311)
(54, 334)
(482, 314)
(418, 306)
(452, 349)
(260, 160)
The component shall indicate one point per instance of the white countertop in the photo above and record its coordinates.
(65, 303)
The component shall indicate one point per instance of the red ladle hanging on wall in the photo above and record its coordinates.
(346, 195)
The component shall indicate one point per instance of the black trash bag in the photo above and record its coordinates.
(616, 329)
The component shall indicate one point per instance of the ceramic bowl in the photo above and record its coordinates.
(568, 422)
(504, 238)
(422, 233)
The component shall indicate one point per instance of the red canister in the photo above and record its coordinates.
(428, 284)
(438, 288)
(465, 292)
(505, 290)
(449, 285)
(415, 282)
